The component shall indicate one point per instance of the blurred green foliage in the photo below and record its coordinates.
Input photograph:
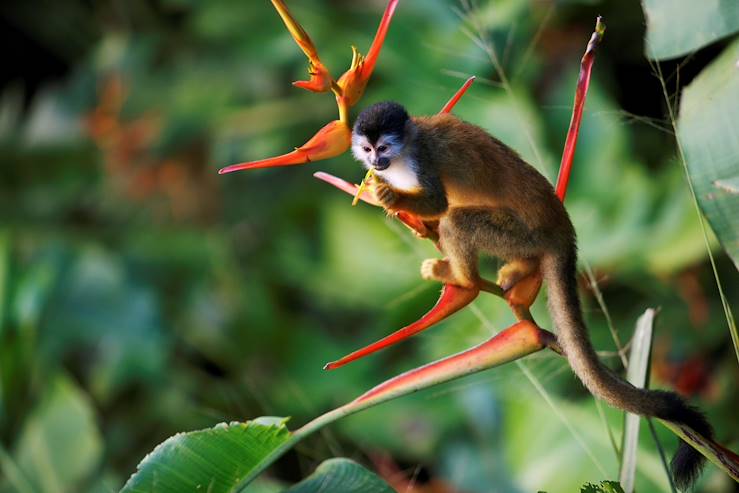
(142, 295)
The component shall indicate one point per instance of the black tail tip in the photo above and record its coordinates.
(686, 466)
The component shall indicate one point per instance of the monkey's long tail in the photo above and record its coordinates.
(559, 272)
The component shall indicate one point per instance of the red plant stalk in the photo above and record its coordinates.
(522, 295)
(583, 82)
(374, 51)
(457, 96)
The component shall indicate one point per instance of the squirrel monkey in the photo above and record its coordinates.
(486, 199)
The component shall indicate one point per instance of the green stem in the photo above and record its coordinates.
(521, 339)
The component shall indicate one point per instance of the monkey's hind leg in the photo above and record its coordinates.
(464, 232)
(460, 265)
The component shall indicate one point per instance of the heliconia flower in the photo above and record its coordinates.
(335, 138)
(453, 298)
(320, 80)
(353, 82)
(332, 140)
(518, 340)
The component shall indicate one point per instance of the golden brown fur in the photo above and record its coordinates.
(486, 199)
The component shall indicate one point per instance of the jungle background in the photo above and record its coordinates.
(141, 294)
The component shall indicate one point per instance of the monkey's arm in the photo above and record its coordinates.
(429, 202)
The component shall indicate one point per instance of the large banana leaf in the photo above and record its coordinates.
(708, 129)
(678, 27)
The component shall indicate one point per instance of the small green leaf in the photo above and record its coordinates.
(678, 27)
(602, 487)
(637, 375)
(214, 460)
(341, 475)
(708, 129)
(60, 443)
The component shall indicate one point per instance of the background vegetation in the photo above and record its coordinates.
(141, 294)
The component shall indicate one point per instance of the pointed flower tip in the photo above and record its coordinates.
(330, 141)
(458, 95)
(354, 80)
(320, 80)
(452, 299)
(600, 26)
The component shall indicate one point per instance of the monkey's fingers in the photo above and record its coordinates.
(413, 222)
(332, 140)
(452, 299)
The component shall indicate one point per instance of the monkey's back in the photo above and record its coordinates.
(478, 170)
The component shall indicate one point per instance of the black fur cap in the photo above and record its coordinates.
(387, 117)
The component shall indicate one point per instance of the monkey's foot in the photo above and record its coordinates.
(434, 269)
(514, 271)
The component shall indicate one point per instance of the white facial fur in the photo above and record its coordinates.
(400, 174)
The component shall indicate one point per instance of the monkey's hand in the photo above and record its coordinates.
(385, 195)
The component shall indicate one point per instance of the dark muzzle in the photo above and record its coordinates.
(381, 164)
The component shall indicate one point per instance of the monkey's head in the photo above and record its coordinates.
(378, 134)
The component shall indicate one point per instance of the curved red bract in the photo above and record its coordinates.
(332, 140)
(452, 299)
(517, 340)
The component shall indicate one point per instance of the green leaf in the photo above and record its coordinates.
(218, 459)
(602, 487)
(341, 475)
(678, 27)
(708, 129)
(60, 444)
(637, 375)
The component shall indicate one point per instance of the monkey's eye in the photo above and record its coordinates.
(366, 149)
(382, 148)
